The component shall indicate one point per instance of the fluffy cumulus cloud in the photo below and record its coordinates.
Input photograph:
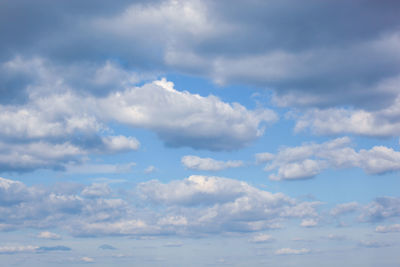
(58, 124)
(208, 164)
(197, 205)
(310, 159)
(184, 119)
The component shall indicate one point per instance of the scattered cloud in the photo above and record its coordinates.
(196, 205)
(49, 235)
(291, 251)
(373, 244)
(310, 159)
(86, 260)
(150, 169)
(344, 208)
(380, 209)
(261, 238)
(208, 164)
(17, 249)
(309, 223)
(388, 228)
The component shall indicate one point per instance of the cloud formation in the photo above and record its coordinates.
(308, 160)
(208, 164)
(197, 205)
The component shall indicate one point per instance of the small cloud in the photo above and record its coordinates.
(107, 247)
(17, 249)
(86, 260)
(373, 244)
(261, 238)
(150, 169)
(290, 251)
(208, 164)
(388, 229)
(49, 235)
(96, 190)
(309, 223)
(263, 157)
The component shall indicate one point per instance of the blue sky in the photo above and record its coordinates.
(199, 133)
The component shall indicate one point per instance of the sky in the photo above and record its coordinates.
(199, 133)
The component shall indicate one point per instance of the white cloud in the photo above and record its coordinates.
(263, 157)
(48, 235)
(334, 121)
(208, 164)
(310, 159)
(96, 190)
(150, 169)
(291, 251)
(194, 206)
(345, 208)
(262, 238)
(309, 223)
(388, 228)
(68, 125)
(17, 249)
(380, 209)
(86, 259)
(120, 143)
(185, 119)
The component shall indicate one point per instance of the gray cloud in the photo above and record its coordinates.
(309, 53)
(380, 209)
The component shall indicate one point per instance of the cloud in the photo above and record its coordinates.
(248, 44)
(49, 235)
(17, 249)
(58, 124)
(345, 208)
(380, 209)
(185, 119)
(309, 223)
(263, 157)
(86, 168)
(31, 249)
(195, 206)
(96, 190)
(150, 169)
(373, 244)
(107, 247)
(335, 121)
(261, 238)
(388, 228)
(208, 164)
(310, 159)
(291, 251)
(86, 260)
